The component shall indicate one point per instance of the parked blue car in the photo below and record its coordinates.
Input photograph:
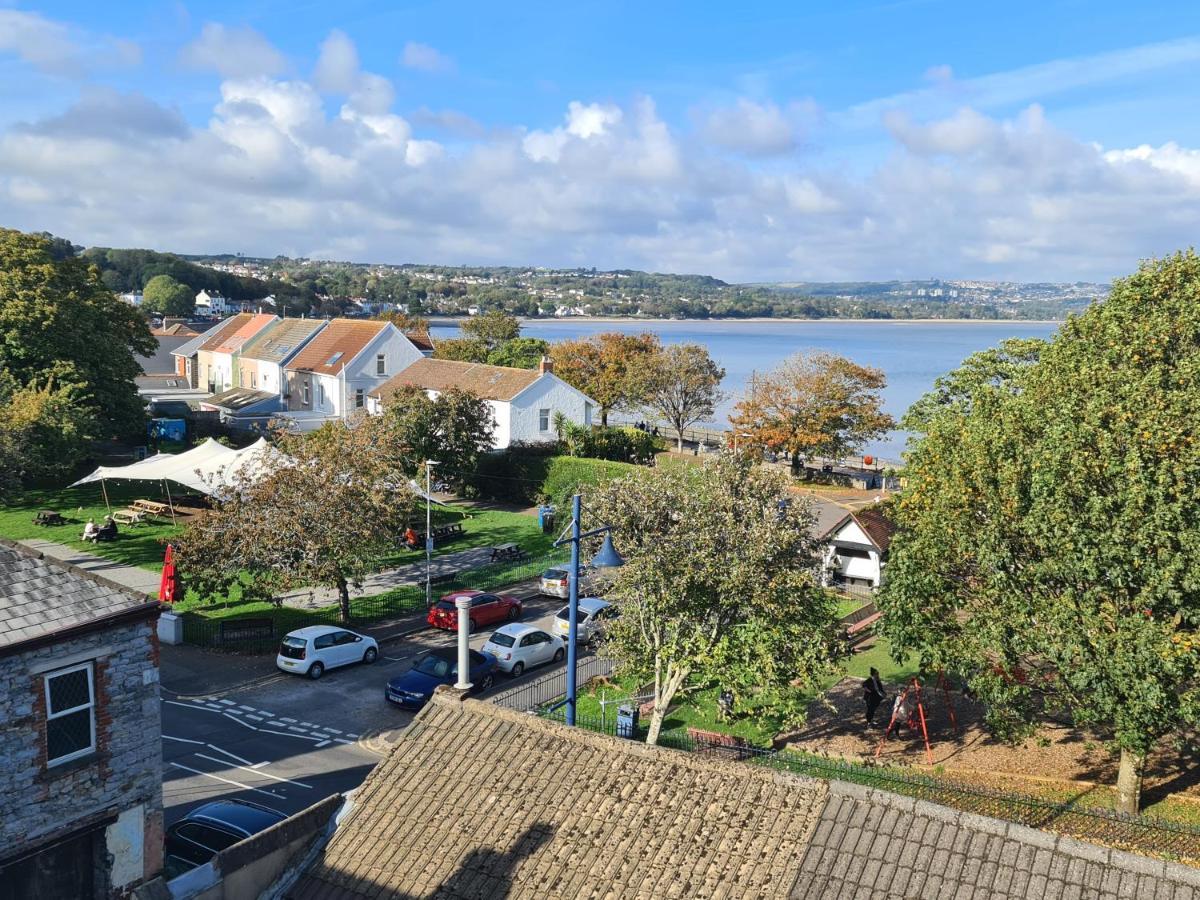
(413, 689)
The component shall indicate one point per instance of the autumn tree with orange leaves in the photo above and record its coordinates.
(611, 368)
(813, 404)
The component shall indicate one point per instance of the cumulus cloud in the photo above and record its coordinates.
(449, 120)
(583, 121)
(425, 58)
(755, 129)
(232, 52)
(337, 64)
(57, 49)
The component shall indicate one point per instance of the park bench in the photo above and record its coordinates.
(443, 578)
(235, 631)
(151, 507)
(718, 744)
(441, 535)
(48, 517)
(129, 516)
(508, 553)
(858, 625)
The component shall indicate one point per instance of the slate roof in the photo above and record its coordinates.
(873, 844)
(232, 341)
(277, 343)
(345, 336)
(192, 347)
(484, 381)
(162, 360)
(39, 597)
(478, 801)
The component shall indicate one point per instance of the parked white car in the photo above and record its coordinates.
(555, 583)
(518, 647)
(310, 651)
(593, 612)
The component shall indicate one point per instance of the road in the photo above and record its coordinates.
(286, 742)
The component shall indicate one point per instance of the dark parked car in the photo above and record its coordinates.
(209, 829)
(413, 689)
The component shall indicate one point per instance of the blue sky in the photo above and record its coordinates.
(1051, 140)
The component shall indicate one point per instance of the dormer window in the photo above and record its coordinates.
(381, 364)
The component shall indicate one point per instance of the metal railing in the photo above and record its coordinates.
(552, 686)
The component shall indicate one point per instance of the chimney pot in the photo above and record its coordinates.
(546, 365)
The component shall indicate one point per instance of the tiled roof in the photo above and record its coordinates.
(346, 337)
(277, 343)
(179, 329)
(477, 801)
(39, 597)
(233, 341)
(223, 329)
(192, 347)
(875, 844)
(421, 340)
(482, 380)
(879, 528)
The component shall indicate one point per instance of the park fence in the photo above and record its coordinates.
(543, 691)
(260, 632)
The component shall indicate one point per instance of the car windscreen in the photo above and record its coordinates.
(445, 604)
(432, 665)
(500, 639)
(554, 574)
(293, 647)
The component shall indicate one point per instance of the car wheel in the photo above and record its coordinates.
(514, 613)
(316, 670)
(470, 626)
(518, 670)
(371, 655)
(486, 684)
(559, 654)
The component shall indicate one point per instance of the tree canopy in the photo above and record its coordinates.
(520, 353)
(492, 328)
(1049, 530)
(683, 386)
(163, 294)
(452, 430)
(61, 326)
(718, 585)
(813, 404)
(609, 367)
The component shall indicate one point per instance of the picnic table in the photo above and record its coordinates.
(48, 517)
(507, 553)
(151, 507)
(130, 516)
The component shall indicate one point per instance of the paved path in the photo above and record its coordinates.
(132, 577)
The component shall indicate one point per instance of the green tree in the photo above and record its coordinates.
(717, 587)
(323, 515)
(461, 349)
(60, 325)
(818, 404)
(492, 328)
(683, 386)
(453, 430)
(1048, 531)
(610, 367)
(43, 431)
(521, 353)
(163, 294)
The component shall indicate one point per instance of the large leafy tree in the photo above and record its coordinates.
(43, 431)
(521, 353)
(817, 404)
(718, 585)
(492, 328)
(683, 385)
(60, 325)
(461, 349)
(1049, 530)
(610, 367)
(324, 512)
(452, 430)
(163, 294)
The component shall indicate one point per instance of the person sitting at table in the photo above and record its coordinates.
(410, 537)
(90, 530)
(107, 531)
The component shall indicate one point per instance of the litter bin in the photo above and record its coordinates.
(546, 518)
(627, 721)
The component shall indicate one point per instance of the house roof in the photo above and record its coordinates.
(239, 398)
(232, 341)
(475, 799)
(479, 801)
(482, 380)
(279, 342)
(192, 347)
(421, 340)
(340, 341)
(179, 329)
(875, 525)
(40, 597)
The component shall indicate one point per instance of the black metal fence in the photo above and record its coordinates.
(1140, 834)
(215, 626)
(544, 691)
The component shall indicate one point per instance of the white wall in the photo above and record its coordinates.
(222, 367)
(360, 372)
(869, 568)
(548, 392)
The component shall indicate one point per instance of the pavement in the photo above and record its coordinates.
(235, 726)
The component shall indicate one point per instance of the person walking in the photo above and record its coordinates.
(873, 695)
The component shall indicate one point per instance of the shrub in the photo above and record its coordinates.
(567, 476)
(532, 474)
(629, 445)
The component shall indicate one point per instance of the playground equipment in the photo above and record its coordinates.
(912, 713)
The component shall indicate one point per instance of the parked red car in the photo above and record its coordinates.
(485, 610)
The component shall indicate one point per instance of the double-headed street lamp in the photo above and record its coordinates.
(607, 558)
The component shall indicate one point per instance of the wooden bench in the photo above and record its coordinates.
(234, 631)
(508, 553)
(129, 516)
(443, 578)
(441, 535)
(716, 743)
(858, 625)
(152, 507)
(48, 517)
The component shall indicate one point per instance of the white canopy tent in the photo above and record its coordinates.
(208, 468)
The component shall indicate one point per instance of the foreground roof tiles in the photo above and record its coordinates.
(480, 379)
(336, 345)
(476, 801)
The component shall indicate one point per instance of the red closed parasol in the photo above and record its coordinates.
(168, 588)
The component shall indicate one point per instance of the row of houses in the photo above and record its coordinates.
(258, 367)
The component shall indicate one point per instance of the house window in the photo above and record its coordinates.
(253, 379)
(359, 398)
(70, 714)
(543, 420)
(587, 414)
(306, 394)
(320, 395)
(381, 364)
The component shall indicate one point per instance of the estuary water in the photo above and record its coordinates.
(912, 354)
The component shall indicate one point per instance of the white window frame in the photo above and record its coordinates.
(381, 364)
(544, 416)
(320, 395)
(307, 396)
(90, 706)
(360, 398)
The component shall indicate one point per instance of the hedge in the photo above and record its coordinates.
(527, 475)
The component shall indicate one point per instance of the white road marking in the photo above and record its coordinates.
(239, 721)
(286, 719)
(322, 744)
(263, 712)
(227, 753)
(226, 702)
(260, 765)
(257, 771)
(167, 737)
(343, 741)
(246, 708)
(303, 737)
(254, 718)
(244, 787)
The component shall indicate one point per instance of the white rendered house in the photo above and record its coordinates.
(855, 552)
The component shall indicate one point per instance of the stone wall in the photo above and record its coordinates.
(119, 785)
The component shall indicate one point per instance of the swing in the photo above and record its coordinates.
(914, 686)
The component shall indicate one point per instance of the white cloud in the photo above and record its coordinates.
(337, 65)
(1170, 157)
(584, 121)
(756, 129)
(57, 49)
(425, 58)
(449, 120)
(232, 52)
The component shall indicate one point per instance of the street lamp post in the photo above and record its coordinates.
(429, 464)
(606, 558)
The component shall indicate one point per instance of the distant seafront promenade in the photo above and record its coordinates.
(913, 353)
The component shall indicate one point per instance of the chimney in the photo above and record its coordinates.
(546, 365)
